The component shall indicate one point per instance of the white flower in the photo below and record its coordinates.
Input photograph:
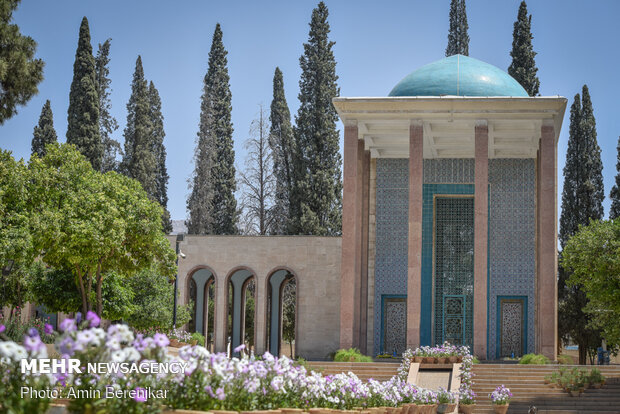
(118, 356)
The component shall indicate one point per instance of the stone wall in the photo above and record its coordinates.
(315, 261)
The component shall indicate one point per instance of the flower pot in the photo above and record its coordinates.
(418, 359)
(459, 358)
(597, 385)
(453, 359)
(445, 408)
(500, 408)
(442, 360)
(429, 360)
(193, 342)
(467, 408)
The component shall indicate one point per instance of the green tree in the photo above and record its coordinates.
(211, 205)
(316, 200)
(92, 223)
(582, 199)
(523, 67)
(614, 195)
(44, 132)
(139, 161)
(159, 152)
(153, 297)
(20, 72)
(83, 112)
(458, 39)
(289, 304)
(15, 235)
(281, 141)
(107, 123)
(593, 257)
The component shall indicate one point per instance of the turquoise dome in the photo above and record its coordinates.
(458, 75)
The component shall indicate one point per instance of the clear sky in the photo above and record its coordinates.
(377, 44)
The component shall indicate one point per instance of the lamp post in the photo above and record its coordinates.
(180, 238)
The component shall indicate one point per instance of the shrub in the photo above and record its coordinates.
(565, 360)
(199, 338)
(534, 359)
(351, 355)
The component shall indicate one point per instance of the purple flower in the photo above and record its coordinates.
(220, 394)
(239, 348)
(78, 317)
(160, 340)
(32, 332)
(2, 328)
(93, 319)
(140, 394)
(68, 325)
(33, 343)
(48, 329)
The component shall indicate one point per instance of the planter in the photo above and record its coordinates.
(429, 360)
(442, 360)
(427, 409)
(193, 342)
(445, 408)
(418, 359)
(500, 409)
(467, 408)
(185, 412)
(597, 385)
(453, 359)
(459, 359)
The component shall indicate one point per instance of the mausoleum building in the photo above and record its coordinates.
(449, 229)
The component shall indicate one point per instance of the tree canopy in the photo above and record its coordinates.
(44, 132)
(523, 66)
(593, 256)
(458, 39)
(20, 72)
(90, 223)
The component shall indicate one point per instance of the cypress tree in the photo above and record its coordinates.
(281, 142)
(212, 206)
(159, 150)
(316, 201)
(458, 39)
(582, 200)
(44, 132)
(614, 211)
(20, 72)
(139, 161)
(523, 67)
(83, 112)
(107, 123)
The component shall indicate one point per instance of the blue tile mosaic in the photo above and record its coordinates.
(511, 233)
(512, 240)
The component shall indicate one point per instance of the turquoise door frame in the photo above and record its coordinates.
(498, 336)
(461, 317)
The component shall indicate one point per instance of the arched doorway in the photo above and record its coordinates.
(241, 309)
(201, 286)
(282, 312)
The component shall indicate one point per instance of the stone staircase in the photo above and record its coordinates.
(380, 371)
(527, 384)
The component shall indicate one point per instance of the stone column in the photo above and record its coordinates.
(414, 256)
(547, 282)
(350, 238)
(221, 312)
(260, 312)
(364, 250)
(481, 235)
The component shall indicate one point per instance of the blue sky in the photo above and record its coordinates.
(377, 44)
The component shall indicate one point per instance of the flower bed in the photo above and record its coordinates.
(209, 382)
(453, 353)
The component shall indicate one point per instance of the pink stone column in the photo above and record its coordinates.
(414, 257)
(363, 313)
(221, 314)
(548, 258)
(350, 246)
(481, 236)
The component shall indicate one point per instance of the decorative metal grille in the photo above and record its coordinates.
(454, 270)
(395, 325)
(511, 327)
